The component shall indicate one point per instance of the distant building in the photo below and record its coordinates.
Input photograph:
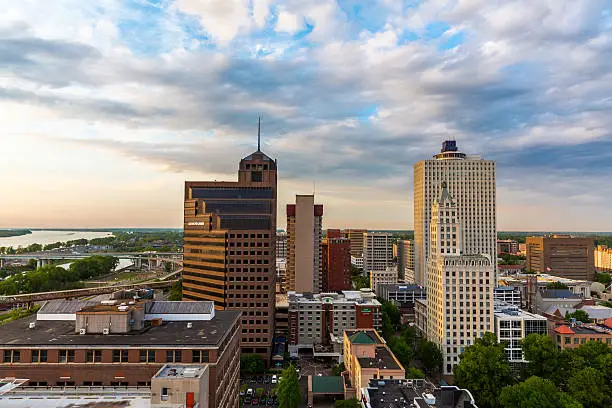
(336, 263)
(507, 294)
(603, 258)
(512, 325)
(570, 336)
(181, 385)
(281, 316)
(357, 262)
(378, 278)
(505, 270)
(581, 288)
(472, 182)
(281, 275)
(405, 260)
(420, 316)
(74, 343)
(281, 244)
(557, 297)
(304, 234)
(507, 246)
(418, 393)
(356, 238)
(320, 320)
(562, 255)
(367, 357)
(403, 295)
(377, 251)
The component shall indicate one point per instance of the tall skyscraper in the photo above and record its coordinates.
(356, 238)
(472, 181)
(459, 286)
(229, 247)
(377, 251)
(304, 230)
(405, 260)
(336, 262)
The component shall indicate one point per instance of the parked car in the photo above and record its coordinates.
(267, 379)
(249, 392)
(274, 379)
(255, 401)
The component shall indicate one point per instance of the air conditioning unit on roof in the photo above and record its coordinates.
(105, 331)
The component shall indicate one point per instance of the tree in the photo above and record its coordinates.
(402, 351)
(338, 369)
(604, 278)
(556, 285)
(588, 386)
(542, 354)
(579, 315)
(350, 403)
(252, 363)
(414, 373)
(430, 355)
(289, 389)
(393, 312)
(484, 370)
(535, 392)
(176, 291)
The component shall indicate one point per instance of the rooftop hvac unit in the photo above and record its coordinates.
(105, 331)
(32, 325)
(82, 331)
(189, 325)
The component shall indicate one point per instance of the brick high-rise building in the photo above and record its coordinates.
(304, 234)
(229, 247)
(562, 255)
(472, 181)
(336, 262)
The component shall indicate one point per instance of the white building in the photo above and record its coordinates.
(405, 260)
(377, 251)
(357, 262)
(378, 278)
(472, 182)
(512, 325)
(459, 286)
(507, 294)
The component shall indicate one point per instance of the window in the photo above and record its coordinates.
(200, 356)
(93, 356)
(164, 394)
(66, 356)
(120, 356)
(12, 356)
(39, 356)
(173, 356)
(147, 356)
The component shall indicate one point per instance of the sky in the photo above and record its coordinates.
(108, 106)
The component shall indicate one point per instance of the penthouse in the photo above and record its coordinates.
(73, 343)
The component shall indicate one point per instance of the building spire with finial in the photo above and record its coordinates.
(259, 134)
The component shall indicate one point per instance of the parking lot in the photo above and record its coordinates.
(254, 383)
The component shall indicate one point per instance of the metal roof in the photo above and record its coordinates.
(178, 307)
(62, 306)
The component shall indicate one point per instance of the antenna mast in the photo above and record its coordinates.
(259, 134)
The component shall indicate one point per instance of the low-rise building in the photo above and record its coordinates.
(507, 246)
(281, 316)
(404, 296)
(417, 393)
(531, 284)
(123, 344)
(367, 357)
(357, 261)
(509, 270)
(317, 322)
(507, 294)
(420, 315)
(382, 277)
(557, 297)
(181, 386)
(574, 335)
(512, 325)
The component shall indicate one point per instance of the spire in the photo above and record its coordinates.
(259, 134)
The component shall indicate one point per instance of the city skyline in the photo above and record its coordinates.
(108, 107)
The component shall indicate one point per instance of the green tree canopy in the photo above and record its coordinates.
(430, 355)
(402, 351)
(414, 373)
(338, 369)
(542, 354)
(350, 403)
(535, 392)
(252, 363)
(604, 278)
(589, 387)
(289, 389)
(484, 370)
(557, 285)
(579, 315)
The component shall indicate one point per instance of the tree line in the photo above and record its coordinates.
(51, 278)
(570, 378)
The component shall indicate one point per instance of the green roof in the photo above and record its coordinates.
(361, 338)
(327, 385)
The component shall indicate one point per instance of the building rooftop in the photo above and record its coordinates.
(383, 359)
(584, 328)
(416, 394)
(559, 294)
(350, 296)
(168, 307)
(598, 312)
(327, 384)
(363, 336)
(507, 311)
(55, 333)
(401, 288)
(62, 306)
(181, 371)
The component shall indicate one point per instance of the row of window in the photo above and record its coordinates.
(95, 356)
(251, 236)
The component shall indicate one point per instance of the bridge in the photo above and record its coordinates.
(45, 258)
(29, 298)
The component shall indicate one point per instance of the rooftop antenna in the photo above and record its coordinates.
(259, 134)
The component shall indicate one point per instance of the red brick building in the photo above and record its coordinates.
(336, 262)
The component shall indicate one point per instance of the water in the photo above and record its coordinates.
(50, 237)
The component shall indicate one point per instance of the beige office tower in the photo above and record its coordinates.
(459, 286)
(356, 238)
(377, 251)
(304, 230)
(472, 181)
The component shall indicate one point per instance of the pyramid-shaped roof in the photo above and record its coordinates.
(361, 338)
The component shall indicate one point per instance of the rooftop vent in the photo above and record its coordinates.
(32, 325)
(189, 325)
(82, 331)
(105, 331)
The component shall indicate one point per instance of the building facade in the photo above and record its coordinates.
(405, 260)
(377, 251)
(322, 319)
(574, 335)
(378, 278)
(336, 264)
(472, 181)
(304, 234)
(110, 345)
(507, 246)
(562, 255)
(281, 244)
(459, 287)
(508, 294)
(603, 258)
(356, 238)
(229, 247)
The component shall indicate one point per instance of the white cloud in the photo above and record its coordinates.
(223, 19)
(288, 22)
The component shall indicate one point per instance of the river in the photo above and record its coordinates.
(49, 237)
